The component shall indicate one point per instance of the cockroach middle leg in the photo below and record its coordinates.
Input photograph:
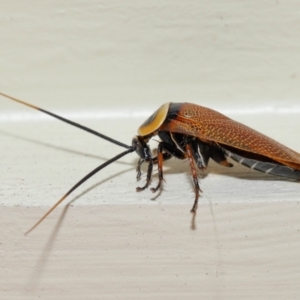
(164, 152)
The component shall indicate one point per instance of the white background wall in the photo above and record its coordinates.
(225, 51)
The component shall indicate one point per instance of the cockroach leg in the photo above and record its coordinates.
(166, 156)
(189, 152)
(200, 152)
(160, 169)
(138, 168)
(148, 179)
(164, 152)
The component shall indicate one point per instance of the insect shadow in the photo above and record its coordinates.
(46, 252)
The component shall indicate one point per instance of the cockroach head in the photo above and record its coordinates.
(139, 143)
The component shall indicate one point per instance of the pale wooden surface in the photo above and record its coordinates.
(246, 250)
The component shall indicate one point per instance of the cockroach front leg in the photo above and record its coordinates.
(166, 156)
(149, 174)
(138, 168)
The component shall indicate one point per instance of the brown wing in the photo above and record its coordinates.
(210, 125)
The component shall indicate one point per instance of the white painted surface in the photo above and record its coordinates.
(91, 60)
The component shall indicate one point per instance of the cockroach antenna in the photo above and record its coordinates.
(89, 175)
(68, 121)
(80, 182)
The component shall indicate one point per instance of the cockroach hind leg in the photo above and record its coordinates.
(194, 212)
(193, 221)
(195, 205)
(194, 208)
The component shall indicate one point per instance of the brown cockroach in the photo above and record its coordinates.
(193, 132)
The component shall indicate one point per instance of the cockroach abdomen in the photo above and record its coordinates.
(266, 167)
